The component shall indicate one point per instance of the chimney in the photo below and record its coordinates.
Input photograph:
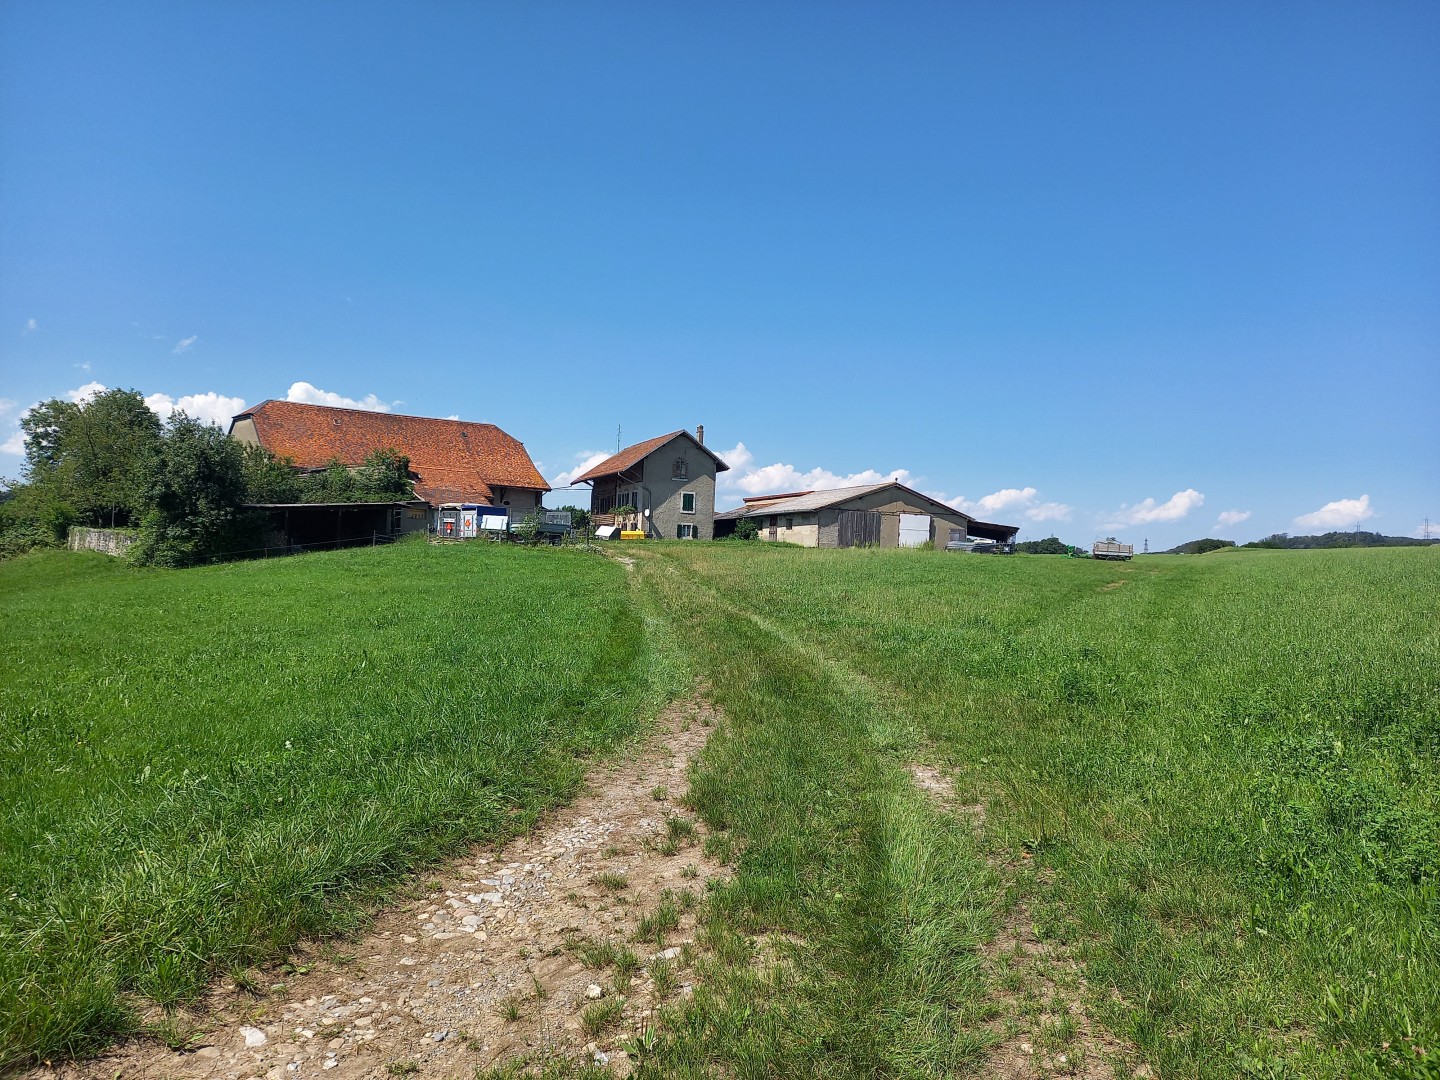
(700, 434)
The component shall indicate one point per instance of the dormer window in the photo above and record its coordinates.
(680, 470)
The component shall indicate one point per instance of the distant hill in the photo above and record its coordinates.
(1199, 547)
(1339, 540)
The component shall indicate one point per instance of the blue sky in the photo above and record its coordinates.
(1158, 271)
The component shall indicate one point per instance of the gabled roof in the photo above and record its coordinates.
(633, 455)
(821, 500)
(454, 461)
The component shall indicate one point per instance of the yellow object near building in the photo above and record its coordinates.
(632, 534)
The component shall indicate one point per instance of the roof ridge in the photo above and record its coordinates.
(375, 412)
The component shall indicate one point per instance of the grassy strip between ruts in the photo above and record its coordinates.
(873, 904)
(1225, 767)
(200, 767)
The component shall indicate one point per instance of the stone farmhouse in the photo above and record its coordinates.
(874, 515)
(467, 476)
(668, 481)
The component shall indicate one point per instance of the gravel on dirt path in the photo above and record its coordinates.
(490, 965)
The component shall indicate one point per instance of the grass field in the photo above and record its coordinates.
(1213, 779)
(1223, 769)
(199, 767)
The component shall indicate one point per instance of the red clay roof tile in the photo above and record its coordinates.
(453, 460)
(633, 455)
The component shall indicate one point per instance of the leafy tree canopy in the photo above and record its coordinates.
(192, 497)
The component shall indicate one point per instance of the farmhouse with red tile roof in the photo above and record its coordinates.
(668, 480)
(452, 462)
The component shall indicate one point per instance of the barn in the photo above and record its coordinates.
(874, 515)
(468, 477)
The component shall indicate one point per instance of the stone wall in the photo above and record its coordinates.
(108, 541)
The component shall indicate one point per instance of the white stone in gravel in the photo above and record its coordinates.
(593, 991)
(330, 1063)
(667, 954)
(407, 962)
(254, 1036)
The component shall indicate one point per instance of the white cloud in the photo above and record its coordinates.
(82, 394)
(1050, 511)
(453, 416)
(770, 479)
(84, 366)
(585, 461)
(997, 502)
(307, 394)
(739, 459)
(14, 445)
(211, 407)
(1233, 517)
(1176, 507)
(1338, 514)
(6, 405)
(31, 326)
(183, 345)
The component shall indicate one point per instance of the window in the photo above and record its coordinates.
(789, 523)
(680, 469)
(685, 532)
(687, 502)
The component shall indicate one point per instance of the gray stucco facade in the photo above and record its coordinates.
(674, 481)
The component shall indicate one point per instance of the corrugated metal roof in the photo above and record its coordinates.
(814, 500)
(821, 500)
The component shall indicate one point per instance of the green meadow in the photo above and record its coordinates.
(199, 767)
(1212, 780)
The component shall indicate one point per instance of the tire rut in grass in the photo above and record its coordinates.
(562, 945)
(1038, 987)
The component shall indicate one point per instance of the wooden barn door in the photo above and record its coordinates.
(859, 528)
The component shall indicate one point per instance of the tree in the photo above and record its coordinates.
(1051, 545)
(44, 426)
(87, 460)
(579, 518)
(384, 477)
(192, 497)
(269, 479)
(746, 529)
(108, 445)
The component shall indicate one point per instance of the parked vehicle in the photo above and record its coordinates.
(1110, 548)
(981, 547)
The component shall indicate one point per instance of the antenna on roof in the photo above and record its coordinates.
(617, 438)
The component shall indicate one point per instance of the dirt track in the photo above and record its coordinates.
(489, 966)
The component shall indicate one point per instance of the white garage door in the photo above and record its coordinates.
(914, 530)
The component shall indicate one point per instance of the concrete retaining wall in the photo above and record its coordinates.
(109, 541)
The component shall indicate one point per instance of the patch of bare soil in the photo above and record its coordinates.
(1039, 988)
(489, 967)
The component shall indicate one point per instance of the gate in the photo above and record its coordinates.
(859, 528)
